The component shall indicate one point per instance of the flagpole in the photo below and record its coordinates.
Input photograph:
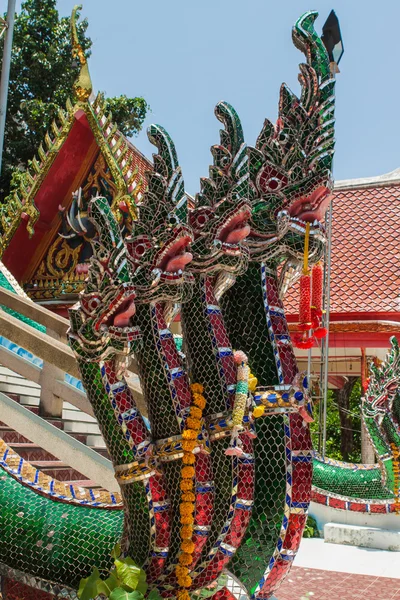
(5, 72)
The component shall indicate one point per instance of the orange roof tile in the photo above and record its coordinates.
(365, 273)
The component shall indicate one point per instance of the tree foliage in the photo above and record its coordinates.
(41, 77)
(343, 424)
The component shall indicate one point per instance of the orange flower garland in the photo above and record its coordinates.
(186, 508)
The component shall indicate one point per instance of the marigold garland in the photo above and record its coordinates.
(186, 508)
(189, 459)
(189, 445)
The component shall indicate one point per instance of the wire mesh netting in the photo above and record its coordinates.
(350, 480)
(282, 449)
(53, 540)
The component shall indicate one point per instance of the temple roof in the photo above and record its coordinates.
(365, 274)
(82, 130)
(82, 149)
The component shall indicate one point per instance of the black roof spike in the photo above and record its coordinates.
(332, 38)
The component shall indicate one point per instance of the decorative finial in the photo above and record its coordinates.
(83, 84)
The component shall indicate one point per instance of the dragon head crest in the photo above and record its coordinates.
(158, 247)
(219, 219)
(380, 410)
(290, 167)
(384, 385)
(100, 320)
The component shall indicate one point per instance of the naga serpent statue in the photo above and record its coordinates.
(381, 416)
(64, 547)
(129, 284)
(250, 481)
(369, 488)
(290, 171)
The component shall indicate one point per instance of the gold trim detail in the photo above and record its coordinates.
(37, 481)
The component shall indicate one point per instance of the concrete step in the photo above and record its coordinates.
(81, 427)
(45, 465)
(58, 470)
(74, 422)
(32, 394)
(77, 415)
(365, 537)
(94, 441)
(31, 452)
(86, 483)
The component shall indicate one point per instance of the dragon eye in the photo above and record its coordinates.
(93, 303)
(137, 248)
(274, 183)
(102, 255)
(140, 249)
(172, 220)
(202, 219)
(283, 137)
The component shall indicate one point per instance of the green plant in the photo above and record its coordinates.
(338, 428)
(311, 528)
(126, 581)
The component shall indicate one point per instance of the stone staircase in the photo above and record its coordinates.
(74, 422)
(44, 412)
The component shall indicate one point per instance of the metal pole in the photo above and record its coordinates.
(5, 73)
(322, 346)
(309, 369)
(326, 339)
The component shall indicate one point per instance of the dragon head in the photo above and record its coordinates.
(158, 247)
(219, 219)
(384, 386)
(380, 410)
(290, 167)
(101, 319)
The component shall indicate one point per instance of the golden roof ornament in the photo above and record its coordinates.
(83, 84)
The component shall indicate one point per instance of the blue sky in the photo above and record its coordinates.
(184, 56)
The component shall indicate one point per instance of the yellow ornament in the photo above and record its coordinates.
(188, 497)
(189, 445)
(196, 412)
(192, 423)
(181, 571)
(258, 411)
(186, 532)
(186, 485)
(253, 381)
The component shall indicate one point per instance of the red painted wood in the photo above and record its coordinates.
(52, 192)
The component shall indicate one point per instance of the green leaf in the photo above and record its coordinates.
(88, 588)
(116, 551)
(121, 594)
(107, 586)
(128, 572)
(154, 595)
(141, 585)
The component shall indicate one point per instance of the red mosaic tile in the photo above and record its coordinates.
(337, 503)
(356, 506)
(378, 508)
